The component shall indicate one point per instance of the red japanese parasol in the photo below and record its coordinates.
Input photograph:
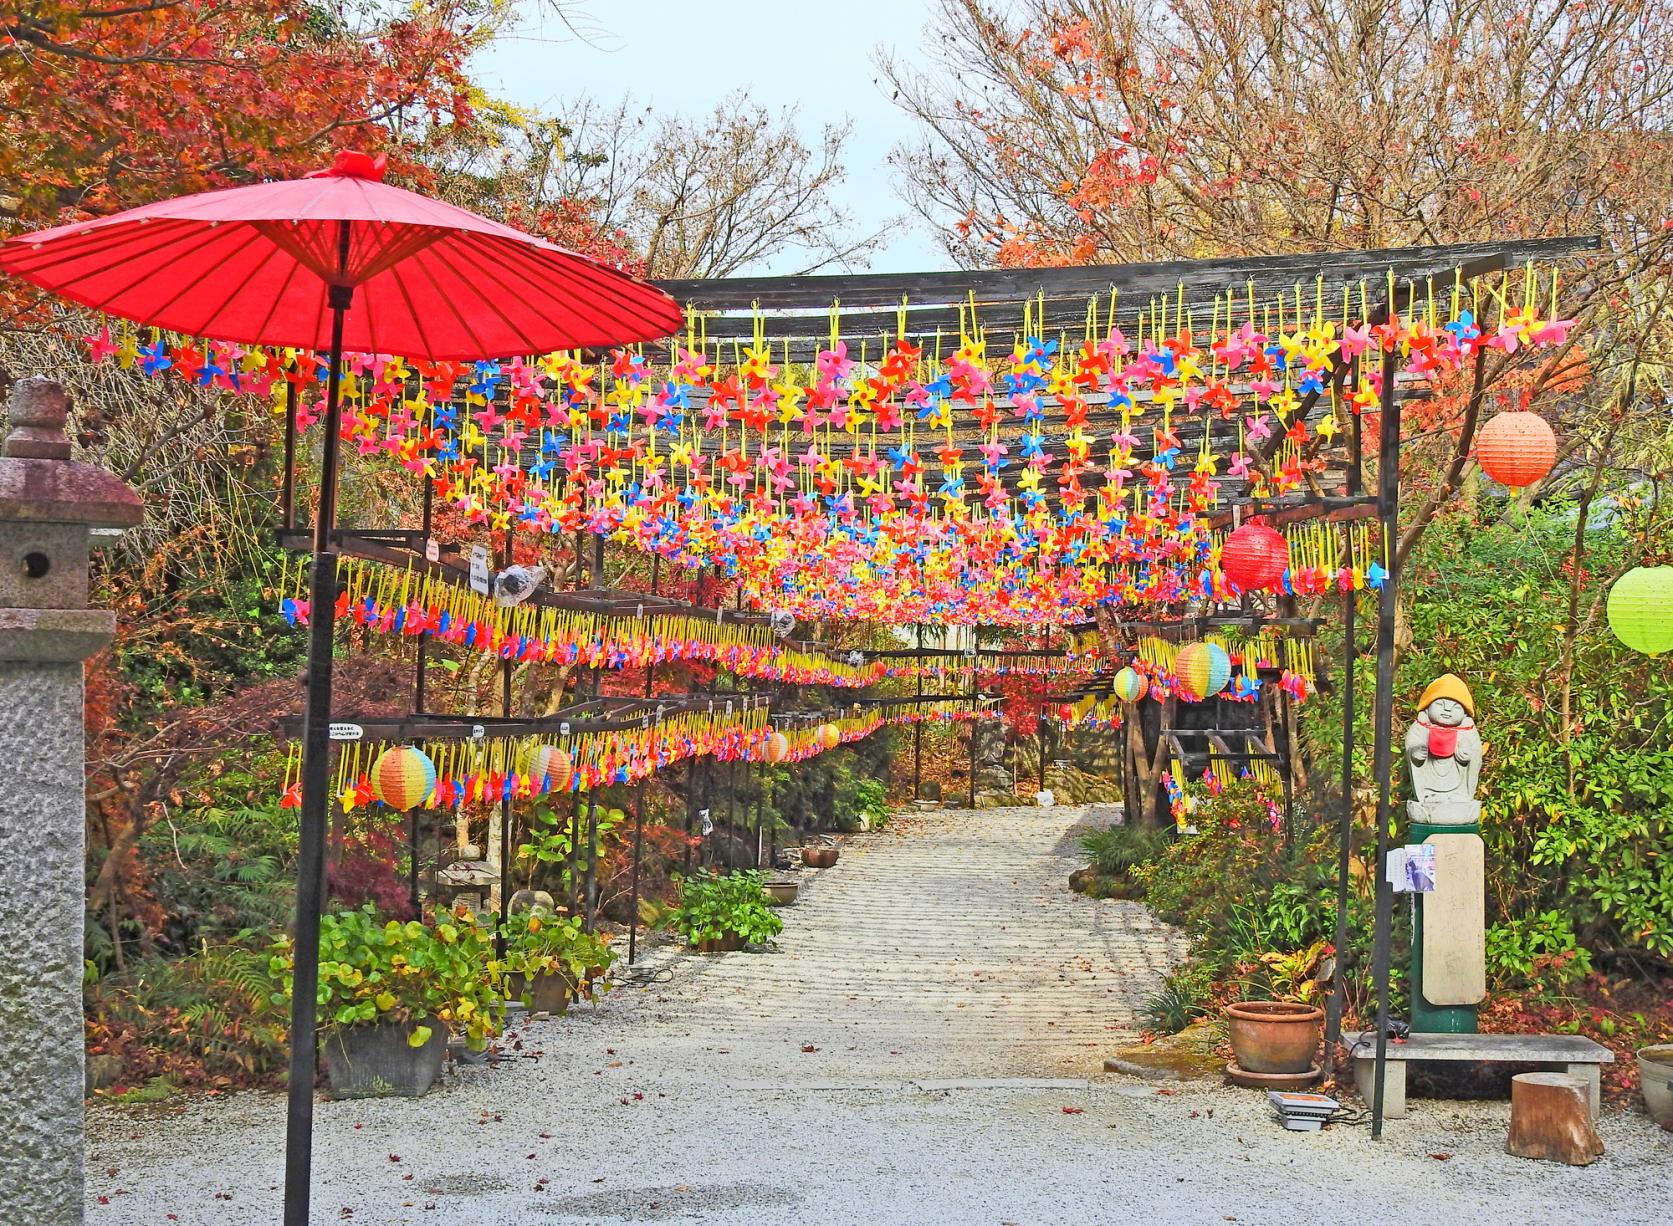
(336, 261)
(256, 264)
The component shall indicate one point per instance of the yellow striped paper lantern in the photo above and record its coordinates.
(554, 765)
(1130, 685)
(403, 776)
(829, 736)
(1203, 669)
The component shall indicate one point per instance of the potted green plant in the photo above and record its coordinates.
(1280, 1034)
(1655, 1080)
(390, 992)
(717, 914)
(820, 855)
(550, 960)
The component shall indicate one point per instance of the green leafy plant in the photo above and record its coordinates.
(1291, 975)
(1538, 950)
(714, 907)
(1116, 850)
(373, 970)
(537, 944)
(1186, 994)
(871, 797)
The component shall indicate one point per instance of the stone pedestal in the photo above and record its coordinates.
(1449, 933)
(48, 504)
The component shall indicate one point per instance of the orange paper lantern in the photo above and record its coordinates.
(778, 747)
(1516, 449)
(403, 777)
(553, 765)
(829, 736)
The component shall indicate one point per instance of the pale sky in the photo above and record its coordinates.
(674, 55)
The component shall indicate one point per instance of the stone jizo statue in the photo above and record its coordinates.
(1443, 750)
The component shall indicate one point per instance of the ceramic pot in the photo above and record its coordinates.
(781, 893)
(819, 857)
(1274, 1036)
(547, 993)
(1655, 1079)
(376, 1061)
(721, 945)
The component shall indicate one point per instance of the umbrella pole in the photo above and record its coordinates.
(316, 753)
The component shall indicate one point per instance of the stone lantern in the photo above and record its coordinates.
(49, 507)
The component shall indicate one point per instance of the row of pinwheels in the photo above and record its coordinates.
(1027, 486)
(443, 773)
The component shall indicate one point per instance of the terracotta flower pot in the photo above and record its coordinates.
(1655, 1079)
(819, 857)
(721, 945)
(1274, 1036)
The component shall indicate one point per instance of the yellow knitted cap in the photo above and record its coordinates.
(1448, 685)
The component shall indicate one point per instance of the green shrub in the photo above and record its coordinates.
(1116, 850)
(714, 907)
(1537, 950)
(189, 1020)
(371, 971)
(872, 798)
(538, 944)
(1186, 994)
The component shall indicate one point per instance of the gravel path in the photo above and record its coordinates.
(958, 1001)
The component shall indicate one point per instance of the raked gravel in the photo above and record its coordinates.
(958, 1001)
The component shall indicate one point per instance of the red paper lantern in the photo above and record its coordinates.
(1516, 449)
(1255, 557)
(1066, 712)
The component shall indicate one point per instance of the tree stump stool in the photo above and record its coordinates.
(1551, 1119)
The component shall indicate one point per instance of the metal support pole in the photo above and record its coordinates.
(505, 801)
(1344, 832)
(412, 856)
(420, 666)
(633, 906)
(287, 490)
(975, 706)
(1388, 481)
(918, 726)
(316, 757)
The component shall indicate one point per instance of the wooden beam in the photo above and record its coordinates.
(1133, 282)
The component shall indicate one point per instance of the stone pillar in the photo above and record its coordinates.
(48, 505)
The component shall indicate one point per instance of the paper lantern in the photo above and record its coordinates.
(553, 765)
(1066, 712)
(1130, 686)
(1202, 670)
(829, 736)
(403, 777)
(778, 747)
(1516, 449)
(1255, 557)
(1640, 609)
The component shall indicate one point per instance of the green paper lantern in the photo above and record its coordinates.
(1641, 609)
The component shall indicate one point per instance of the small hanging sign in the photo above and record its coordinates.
(1411, 869)
(479, 569)
(346, 732)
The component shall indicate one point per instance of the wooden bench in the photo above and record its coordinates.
(1563, 1053)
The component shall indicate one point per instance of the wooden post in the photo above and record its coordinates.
(1551, 1119)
